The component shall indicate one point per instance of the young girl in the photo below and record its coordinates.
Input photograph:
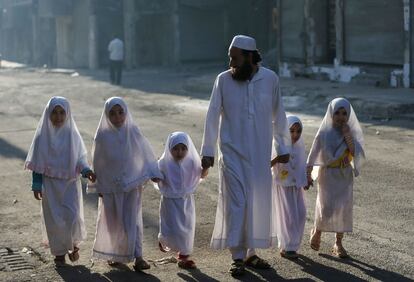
(56, 157)
(123, 161)
(288, 182)
(181, 167)
(338, 152)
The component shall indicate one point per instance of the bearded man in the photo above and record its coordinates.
(245, 114)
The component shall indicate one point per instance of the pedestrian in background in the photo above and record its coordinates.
(338, 152)
(116, 58)
(123, 161)
(57, 156)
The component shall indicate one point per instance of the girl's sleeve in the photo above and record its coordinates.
(314, 151)
(37, 181)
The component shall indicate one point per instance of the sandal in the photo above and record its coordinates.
(74, 255)
(339, 251)
(163, 248)
(141, 264)
(289, 254)
(60, 261)
(112, 263)
(256, 262)
(186, 264)
(237, 268)
(315, 241)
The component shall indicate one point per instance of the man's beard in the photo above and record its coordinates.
(242, 73)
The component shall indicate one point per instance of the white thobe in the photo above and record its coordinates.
(245, 116)
(116, 50)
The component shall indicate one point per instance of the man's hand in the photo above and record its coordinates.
(283, 158)
(207, 162)
(37, 195)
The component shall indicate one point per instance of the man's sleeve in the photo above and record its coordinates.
(280, 126)
(211, 127)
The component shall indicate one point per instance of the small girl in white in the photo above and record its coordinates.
(181, 166)
(57, 156)
(289, 210)
(123, 161)
(338, 151)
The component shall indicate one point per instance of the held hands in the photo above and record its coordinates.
(37, 195)
(309, 177)
(91, 176)
(280, 159)
(206, 163)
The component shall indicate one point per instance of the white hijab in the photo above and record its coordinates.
(296, 166)
(56, 152)
(180, 178)
(123, 159)
(331, 140)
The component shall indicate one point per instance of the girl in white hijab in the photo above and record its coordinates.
(289, 179)
(123, 161)
(57, 156)
(180, 165)
(338, 151)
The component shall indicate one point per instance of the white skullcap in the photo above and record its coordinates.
(244, 42)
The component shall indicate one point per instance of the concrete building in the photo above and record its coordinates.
(368, 42)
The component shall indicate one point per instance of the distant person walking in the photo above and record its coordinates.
(116, 58)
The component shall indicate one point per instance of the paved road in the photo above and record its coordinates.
(162, 101)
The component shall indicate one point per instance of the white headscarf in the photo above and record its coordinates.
(56, 152)
(122, 157)
(331, 140)
(296, 167)
(180, 178)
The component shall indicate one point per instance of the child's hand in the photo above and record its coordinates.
(37, 195)
(91, 176)
(204, 172)
(155, 179)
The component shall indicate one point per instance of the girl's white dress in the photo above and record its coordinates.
(123, 161)
(289, 210)
(177, 208)
(59, 154)
(333, 211)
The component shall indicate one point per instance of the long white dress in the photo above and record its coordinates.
(59, 154)
(177, 206)
(289, 210)
(245, 116)
(123, 160)
(334, 202)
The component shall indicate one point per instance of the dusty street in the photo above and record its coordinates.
(162, 101)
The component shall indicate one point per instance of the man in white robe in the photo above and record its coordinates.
(245, 113)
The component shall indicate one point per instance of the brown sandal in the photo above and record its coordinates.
(186, 264)
(74, 255)
(315, 241)
(141, 264)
